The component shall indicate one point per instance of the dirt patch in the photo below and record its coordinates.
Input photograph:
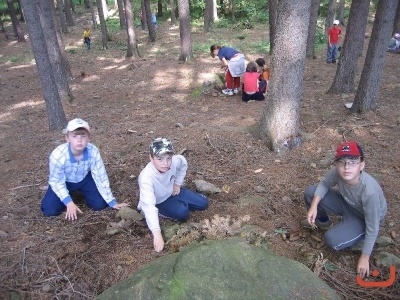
(129, 103)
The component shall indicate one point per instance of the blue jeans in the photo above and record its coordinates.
(87, 42)
(331, 54)
(53, 206)
(178, 207)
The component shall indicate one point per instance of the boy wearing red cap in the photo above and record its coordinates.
(358, 198)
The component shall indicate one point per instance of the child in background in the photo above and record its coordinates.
(77, 166)
(154, 19)
(264, 76)
(333, 42)
(161, 192)
(250, 84)
(234, 63)
(347, 190)
(394, 43)
(86, 37)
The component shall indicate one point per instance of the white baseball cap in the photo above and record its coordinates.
(336, 22)
(75, 124)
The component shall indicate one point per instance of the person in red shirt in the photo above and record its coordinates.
(333, 42)
(250, 84)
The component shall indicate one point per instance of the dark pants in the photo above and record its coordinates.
(53, 206)
(178, 207)
(87, 42)
(256, 96)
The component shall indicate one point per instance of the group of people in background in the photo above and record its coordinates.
(394, 44)
(254, 77)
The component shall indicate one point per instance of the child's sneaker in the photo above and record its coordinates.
(322, 225)
(228, 92)
(235, 91)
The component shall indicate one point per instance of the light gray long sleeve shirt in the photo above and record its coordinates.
(156, 187)
(366, 198)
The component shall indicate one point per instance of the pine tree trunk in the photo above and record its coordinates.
(68, 13)
(15, 23)
(61, 16)
(340, 11)
(312, 29)
(173, 17)
(208, 15)
(279, 124)
(152, 30)
(121, 14)
(104, 33)
(346, 70)
(185, 31)
(272, 24)
(367, 92)
(56, 115)
(132, 46)
(46, 16)
(331, 15)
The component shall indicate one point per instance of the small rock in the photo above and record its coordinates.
(259, 189)
(286, 200)
(127, 213)
(386, 259)
(47, 288)
(3, 234)
(393, 234)
(178, 125)
(383, 241)
(203, 186)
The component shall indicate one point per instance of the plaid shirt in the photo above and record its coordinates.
(64, 168)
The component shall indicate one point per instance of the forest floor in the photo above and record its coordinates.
(129, 103)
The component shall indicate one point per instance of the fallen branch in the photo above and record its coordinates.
(23, 186)
(209, 142)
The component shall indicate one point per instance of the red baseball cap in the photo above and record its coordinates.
(349, 149)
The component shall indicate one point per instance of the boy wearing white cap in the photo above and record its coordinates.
(77, 166)
(358, 198)
(161, 192)
(333, 42)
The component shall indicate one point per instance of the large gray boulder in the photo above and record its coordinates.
(224, 269)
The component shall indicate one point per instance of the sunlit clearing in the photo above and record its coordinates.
(23, 66)
(28, 103)
(123, 67)
(4, 116)
(91, 78)
(110, 67)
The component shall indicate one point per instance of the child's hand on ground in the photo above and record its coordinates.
(311, 215)
(119, 205)
(72, 211)
(176, 190)
(363, 266)
(158, 241)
